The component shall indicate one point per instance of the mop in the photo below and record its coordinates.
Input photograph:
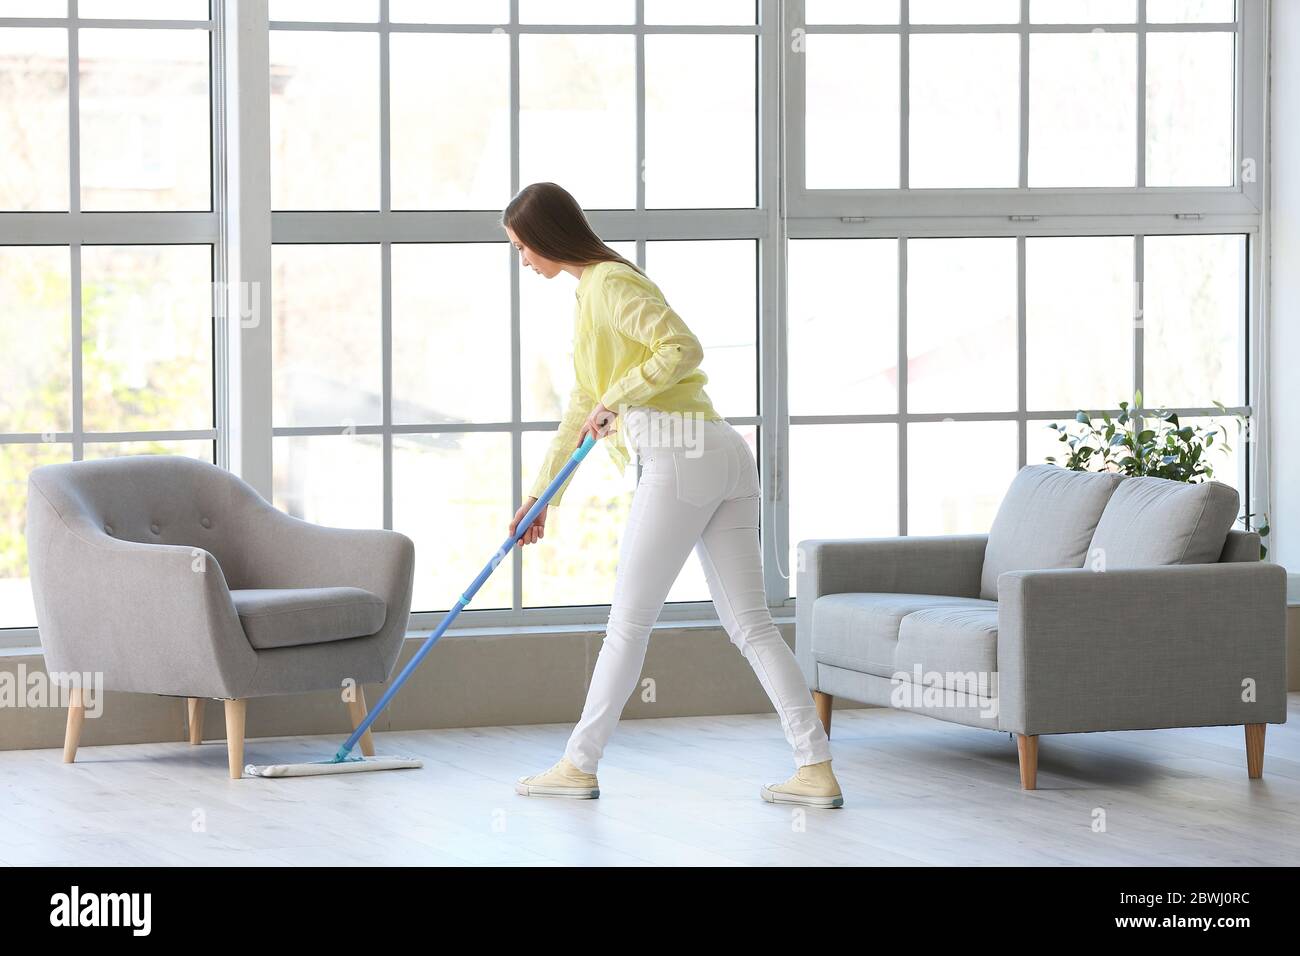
(343, 761)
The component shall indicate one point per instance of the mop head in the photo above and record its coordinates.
(350, 765)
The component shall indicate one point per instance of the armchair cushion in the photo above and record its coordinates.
(1155, 521)
(1046, 520)
(288, 617)
(861, 630)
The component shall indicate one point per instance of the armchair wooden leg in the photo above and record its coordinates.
(76, 717)
(194, 707)
(357, 708)
(1255, 750)
(823, 702)
(235, 711)
(1027, 748)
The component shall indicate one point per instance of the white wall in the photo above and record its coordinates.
(1285, 274)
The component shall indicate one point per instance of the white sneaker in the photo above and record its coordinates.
(813, 785)
(562, 780)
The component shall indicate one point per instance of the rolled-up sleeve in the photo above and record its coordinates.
(563, 444)
(674, 350)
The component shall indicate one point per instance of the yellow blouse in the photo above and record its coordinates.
(629, 348)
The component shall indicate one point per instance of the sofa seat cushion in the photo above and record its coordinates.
(860, 630)
(955, 647)
(288, 617)
(1046, 520)
(1155, 521)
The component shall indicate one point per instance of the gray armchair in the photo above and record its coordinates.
(171, 576)
(1094, 603)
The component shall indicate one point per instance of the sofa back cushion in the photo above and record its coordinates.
(1153, 521)
(1046, 520)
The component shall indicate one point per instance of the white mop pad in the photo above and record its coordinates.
(351, 765)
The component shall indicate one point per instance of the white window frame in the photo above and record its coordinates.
(77, 228)
(241, 227)
(251, 434)
(1022, 212)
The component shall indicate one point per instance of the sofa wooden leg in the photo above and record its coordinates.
(235, 711)
(823, 702)
(357, 708)
(76, 717)
(194, 708)
(1255, 750)
(1027, 748)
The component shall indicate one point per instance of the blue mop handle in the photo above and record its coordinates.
(579, 453)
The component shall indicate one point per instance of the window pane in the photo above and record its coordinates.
(450, 105)
(546, 332)
(965, 110)
(1042, 441)
(34, 123)
(145, 119)
(202, 450)
(325, 303)
(445, 293)
(333, 480)
(964, 11)
(324, 120)
(720, 305)
(16, 463)
(982, 454)
(1082, 11)
(843, 322)
(1079, 315)
(146, 321)
(851, 11)
(1190, 11)
(961, 325)
(1194, 320)
(547, 310)
(143, 9)
(451, 496)
(577, 561)
(1189, 109)
(1082, 111)
(700, 143)
(326, 11)
(701, 11)
(448, 11)
(35, 339)
(34, 8)
(576, 11)
(852, 112)
(579, 89)
(843, 484)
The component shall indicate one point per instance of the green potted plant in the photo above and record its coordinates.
(1165, 449)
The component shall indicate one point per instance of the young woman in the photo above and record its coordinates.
(640, 385)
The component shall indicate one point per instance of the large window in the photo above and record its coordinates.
(910, 234)
(1002, 212)
(418, 374)
(107, 237)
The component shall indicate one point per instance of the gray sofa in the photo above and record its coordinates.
(1095, 602)
(171, 576)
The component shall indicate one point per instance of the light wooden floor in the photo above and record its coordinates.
(673, 791)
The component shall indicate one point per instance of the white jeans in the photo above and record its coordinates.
(699, 489)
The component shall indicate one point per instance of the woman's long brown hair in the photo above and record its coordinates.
(550, 222)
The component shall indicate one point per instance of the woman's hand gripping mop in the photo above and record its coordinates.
(343, 762)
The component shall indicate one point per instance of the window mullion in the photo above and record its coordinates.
(516, 359)
(1024, 94)
(1141, 148)
(74, 208)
